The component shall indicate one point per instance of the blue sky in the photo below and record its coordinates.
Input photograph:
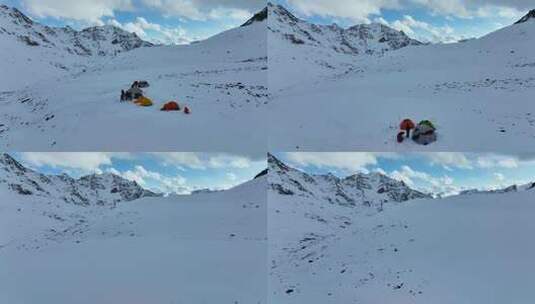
(439, 173)
(163, 172)
(426, 20)
(160, 21)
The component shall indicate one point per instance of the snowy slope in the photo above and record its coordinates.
(418, 251)
(477, 93)
(203, 248)
(223, 80)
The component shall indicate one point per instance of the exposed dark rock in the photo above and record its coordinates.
(526, 18)
(258, 17)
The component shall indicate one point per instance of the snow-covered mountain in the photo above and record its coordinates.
(512, 188)
(90, 190)
(418, 251)
(318, 92)
(368, 190)
(222, 80)
(33, 52)
(15, 27)
(360, 39)
(150, 250)
(310, 52)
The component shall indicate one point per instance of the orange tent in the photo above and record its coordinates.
(171, 106)
(407, 124)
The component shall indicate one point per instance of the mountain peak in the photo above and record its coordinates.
(275, 163)
(96, 189)
(18, 16)
(374, 38)
(370, 189)
(281, 11)
(258, 17)
(96, 40)
(530, 15)
(8, 161)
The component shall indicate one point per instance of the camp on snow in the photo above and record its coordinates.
(424, 132)
(135, 93)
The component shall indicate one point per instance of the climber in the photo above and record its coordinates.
(401, 137)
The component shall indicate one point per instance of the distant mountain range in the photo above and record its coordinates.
(372, 38)
(372, 190)
(359, 190)
(90, 190)
(93, 41)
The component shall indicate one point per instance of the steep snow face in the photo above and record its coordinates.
(486, 83)
(31, 51)
(222, 80)
(359, 190)
(91, 190)
(151, 250)
(414, 252)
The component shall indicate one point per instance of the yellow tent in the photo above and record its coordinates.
(143, 102)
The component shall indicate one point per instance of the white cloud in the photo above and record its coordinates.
(407, 175)
(155, 181)
(83, 10)
(477, 8)
(231, 176)
(154, 32)
(84, 161)
(339, 160)
(448, 7)
(181, 159)
(499, 177)
(363, 11)
(92, 161)
(450, 160)
(425, 182)
(357, 11)
(497, 161)
(228, 161)
(206, 160)
(424, 31)
(226, 14)
(207, 9)
(94, 10)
